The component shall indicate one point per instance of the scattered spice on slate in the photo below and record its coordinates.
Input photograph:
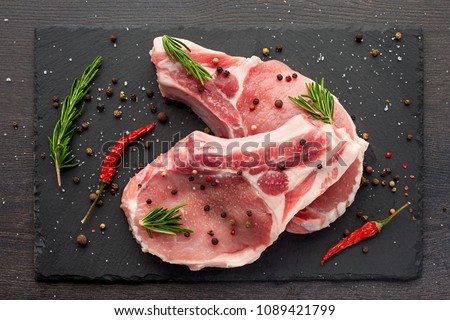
(396, 177)
(114, 80)
(365, 249)
(407, 102)
(278, 103)
(364, 181)
(167, 101)
(215, 241)
(265, 51)
(162, 117)
(82, 240)
(14, 124)
(89, 151)
(279, 48)
(76, 180)
(174, 191)
(100, 107)
(122, 96)
(288, 78)
(102, 226)
(375, 52)
(223, 214)
(85, 125)
(141, 165)
(133, 96)
(409, 137)
(149, 93)
(109, 92)
(140, 185)
(358, 37)
(42, 156)
(239, 172)
(394, 190)
(391, 211)
(365, 136)
(117, 113)
(113, 38)
(392, 183)
(202, 187)
(219, 69)
(279, 76)
(55, 99)
(112, 191)
(114, 186)
(383, 183)
(388, 170)
(226, 73)
(353, 117)
(153, 108)
(359, 214)
(398, 35)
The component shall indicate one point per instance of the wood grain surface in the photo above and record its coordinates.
(19, 18)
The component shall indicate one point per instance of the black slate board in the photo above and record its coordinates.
(362, 83)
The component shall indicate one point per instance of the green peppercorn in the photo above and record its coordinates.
(375, 182)
(248, 224)
(211, 233)
(265, 51)
(232, 222)
(187, 234)
(375, 52)
(89, 151)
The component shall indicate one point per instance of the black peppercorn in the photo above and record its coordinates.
(214, 241)
(99, 203)
(288, 78)
(294, 75)
(207, 207)
(133, 96)
(42, 156)
(346, 232)
(278, 48)
(85, 125)
(282, 166)
(114, 80)
(109, 92)
(219, 69)
(226, 73)
(249, 213)
(153, 109)
(187, 234)
(148, 201)
(302, 142)
(223, 214)
(113, 38)
(279, 77)
(149, 93)
(191, 178)
(87, 98)
(278, 103)
(174, 191)
(214, 183)
(239, 172)
(100, 107)
(358, 37)
(365, 249)
(200, 88)
(319, 166)
(202, 187)
(76, 180)
(255, 101)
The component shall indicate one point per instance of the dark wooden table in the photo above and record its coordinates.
(19, 18)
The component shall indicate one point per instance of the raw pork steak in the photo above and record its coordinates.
(242, 194)
(224, 106)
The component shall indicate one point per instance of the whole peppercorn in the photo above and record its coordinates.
(396, 177)
(391, 211)
(109, 92)
(92, 196)
(80, 129)
(55, 104)
(82, 240)
(248, 224)
(375, 182)
(249, 213)
(102, 226)
(226, 73)
(14, 124)
(255, 101)
(200, 88)
(365, 136)
(265, 51)
(252, 107)
(288, 78)
(76, 180)
(302, 142)
(219, 69)
(319, 166)
(358, 37)
(388, 170)
(215, 60)
(187, 234)
(55, 99)
(383, 183)
(294, 75)
(122, 96)
(223, 214)
(207, 207)
(191, 178)
(409, 137)
(279, 48)
(87, 98)
(392, 183)
(141, 165)
(207, 130)
(369, 170)
(112, 191)
(365, 218)
(153, 109)
(99, 203)
(114, 80)
(359, 214)
(117, 113)
(394, 190)
(364, 181)
(346, 232)
(100, 107)
(162, 117)
(148, 201)
(407, 102)
(365, 249)
(278, 103)
(202, 187)
(215, 241)
(42, 156)
(232, 222)
(89, 151)
(174, 191)
(114, 186)
(149, 93)
(280, 76)
(133, 96)
(375, 52)
(398, 35)
(85, 125)
(113, 38)
(239, 172)
(388, 155)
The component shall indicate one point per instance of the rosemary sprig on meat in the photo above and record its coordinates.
(162, 220)
(320, 103)
(65, 127)
(174, 49)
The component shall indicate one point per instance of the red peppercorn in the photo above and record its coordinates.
(233, 232)
(209, 179)
(388, 155)
(288, 78)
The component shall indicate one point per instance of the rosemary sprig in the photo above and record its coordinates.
(174, 49)
(162, 220)
(321, 104)
(65, 127)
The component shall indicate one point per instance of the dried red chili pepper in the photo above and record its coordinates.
(110, 162)
(366, 231)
